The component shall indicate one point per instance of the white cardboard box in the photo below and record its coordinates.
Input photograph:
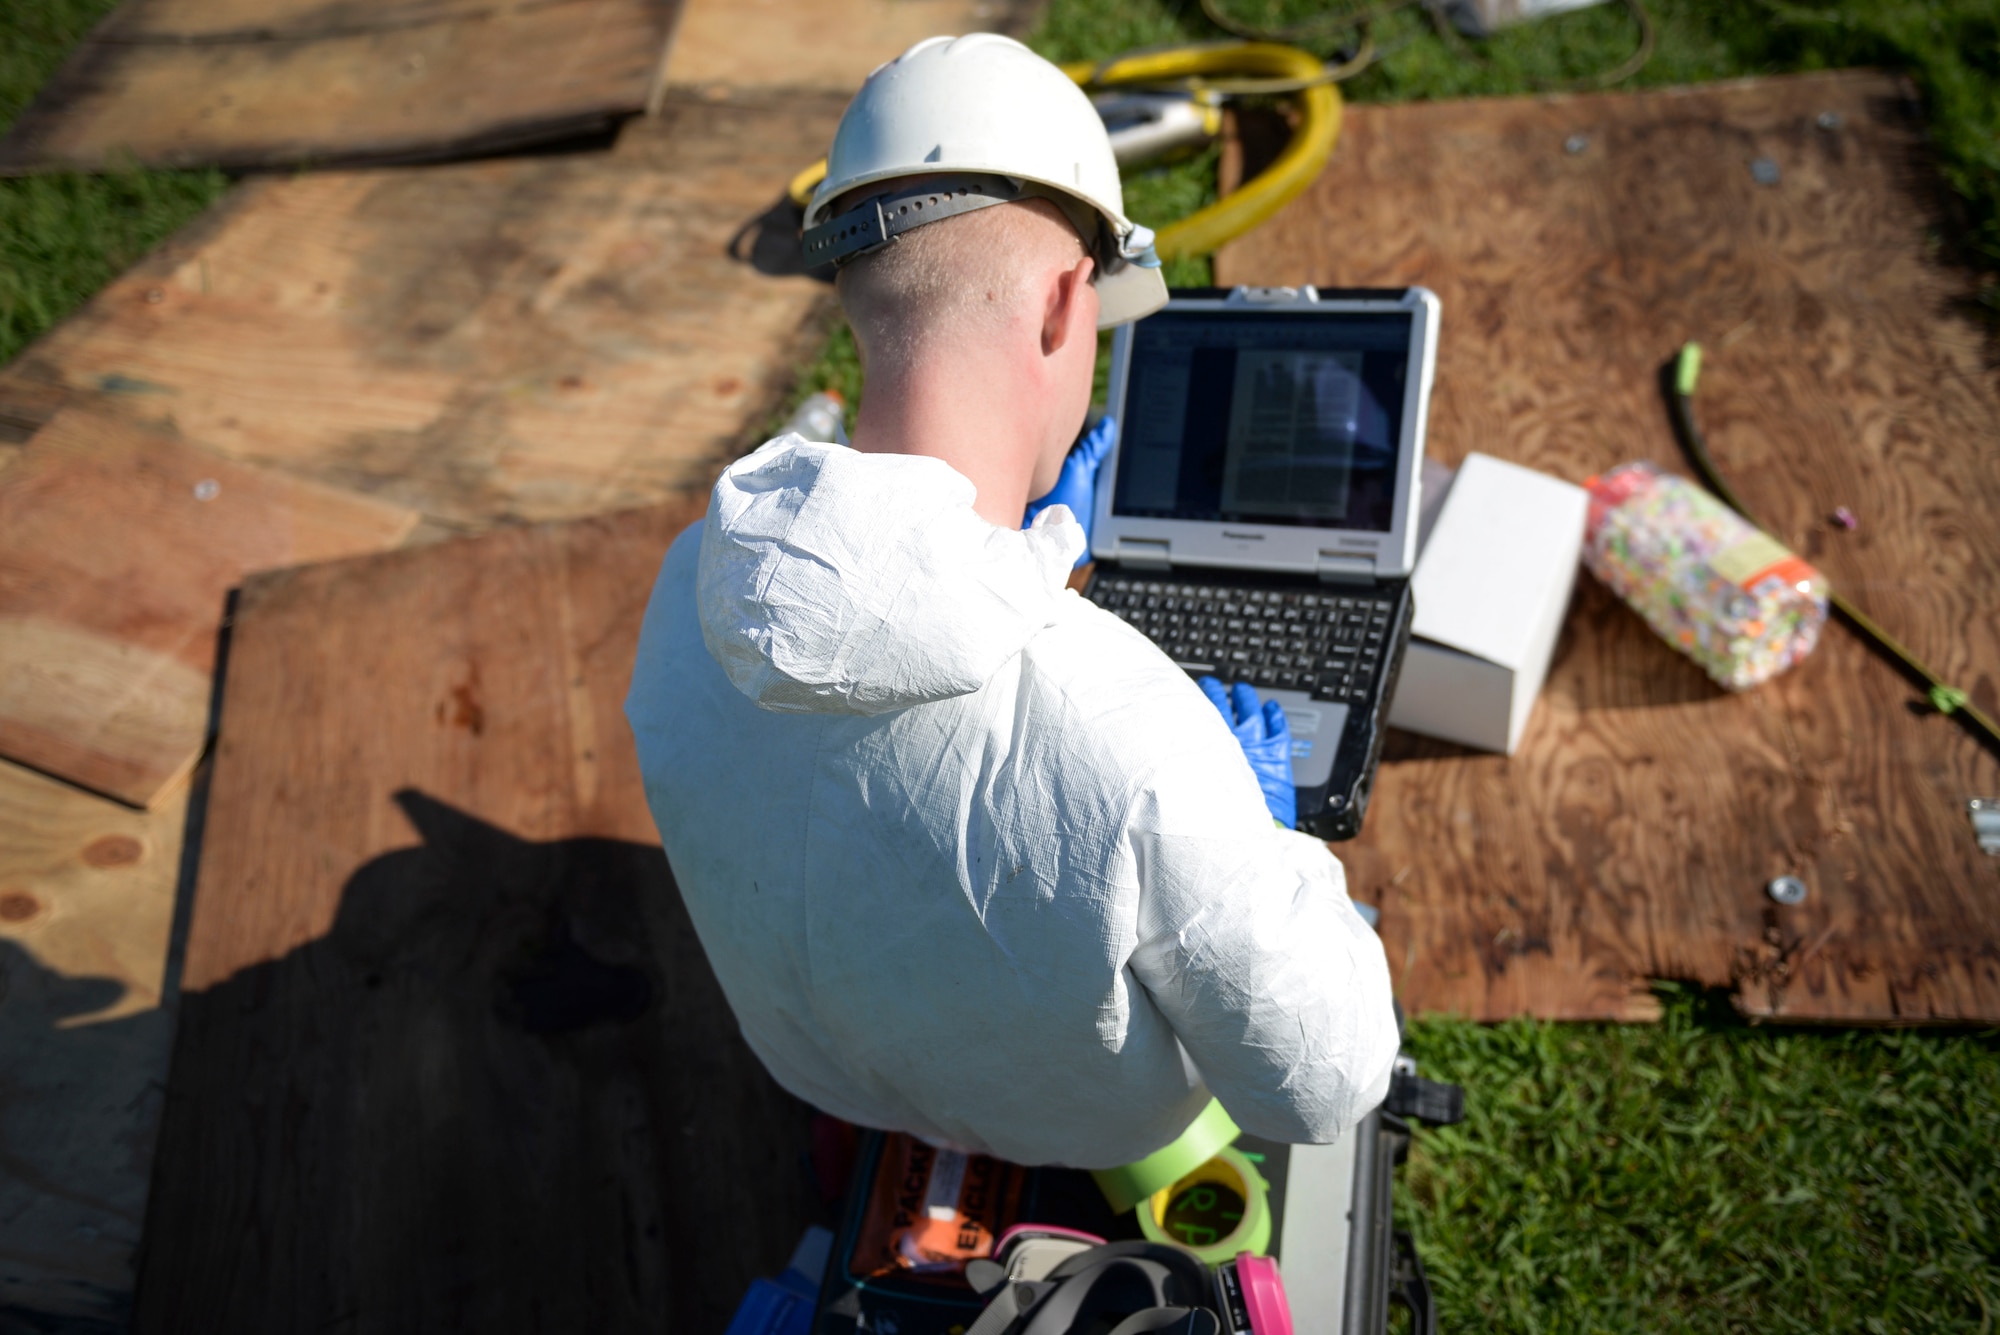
(1493, 580)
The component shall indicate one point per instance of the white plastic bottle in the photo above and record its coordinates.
(822, 417)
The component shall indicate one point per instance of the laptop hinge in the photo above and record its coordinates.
(1145, 553)
(1335, 569)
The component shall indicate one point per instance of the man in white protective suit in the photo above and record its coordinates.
(970, 857)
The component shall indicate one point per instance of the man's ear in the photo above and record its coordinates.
(1066, 305)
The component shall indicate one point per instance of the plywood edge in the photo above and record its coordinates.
(656, 82)
(106, 637)
(111, 717)
(88, 890)
(500, 137)
(1854, 79)
(87, 885)
(1534, 984)
(92, 430)
(87, 116)
(26, 407)
(61, 758)
(1943, 991)
(819, 45)
(33, 387)
(261, 588)
(193, 22)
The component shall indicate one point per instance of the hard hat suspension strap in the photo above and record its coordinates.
(880, 219)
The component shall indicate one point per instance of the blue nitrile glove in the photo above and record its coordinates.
(1266, 740)
(1076, 486)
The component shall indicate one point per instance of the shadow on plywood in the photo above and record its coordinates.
(502, 1092)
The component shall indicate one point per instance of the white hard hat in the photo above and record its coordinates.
(987, 120)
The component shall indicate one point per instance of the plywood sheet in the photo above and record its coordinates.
(1575, 242)
(182, 83)
(450, 1056)
(830, 44)
(526, 339)
(86, 912)
(118, 548)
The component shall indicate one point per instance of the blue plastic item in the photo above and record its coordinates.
(1076, 486)
(784, 1306)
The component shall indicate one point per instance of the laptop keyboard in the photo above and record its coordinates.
(1331, 644)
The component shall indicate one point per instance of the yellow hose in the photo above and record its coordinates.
(802, 186)
(1206, 230)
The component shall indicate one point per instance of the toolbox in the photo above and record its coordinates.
(1343, 1261)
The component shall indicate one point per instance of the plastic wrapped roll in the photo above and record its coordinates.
(1726, 594)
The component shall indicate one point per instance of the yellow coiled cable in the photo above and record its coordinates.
(1228, 67)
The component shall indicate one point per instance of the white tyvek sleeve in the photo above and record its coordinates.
(1249, 946)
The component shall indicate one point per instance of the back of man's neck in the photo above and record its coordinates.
(965, 410)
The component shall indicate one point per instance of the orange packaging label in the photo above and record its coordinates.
(1792, 570)
(930, 1211)
(1749, 562)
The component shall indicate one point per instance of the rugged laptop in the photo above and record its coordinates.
(1260, 521)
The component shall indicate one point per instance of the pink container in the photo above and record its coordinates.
(1253, 1296)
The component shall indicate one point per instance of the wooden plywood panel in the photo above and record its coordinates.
(1575, 242)
(450, 1056)
(118, 547)
(269, 20)
(86, 910)
(526, 339)
(830, 44)
(26, 411)
(179, 83)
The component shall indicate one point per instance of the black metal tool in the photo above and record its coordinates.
(1678, 378)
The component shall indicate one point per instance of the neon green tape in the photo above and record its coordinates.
(1206, 1135)
(1688, 369)
(1212, 1235)
(1948, 699)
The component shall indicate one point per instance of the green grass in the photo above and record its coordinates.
(1704, 1175)
(63, 237)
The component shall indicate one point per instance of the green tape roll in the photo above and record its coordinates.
(1205, 1136)
(1198, 1212)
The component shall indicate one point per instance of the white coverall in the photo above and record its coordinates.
(970, 857)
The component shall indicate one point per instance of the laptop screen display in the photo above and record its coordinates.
(1264, 419)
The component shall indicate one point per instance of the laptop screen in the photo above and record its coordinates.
(1281, 418)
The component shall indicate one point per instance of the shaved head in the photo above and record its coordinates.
(978, 333)
(956, 279)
